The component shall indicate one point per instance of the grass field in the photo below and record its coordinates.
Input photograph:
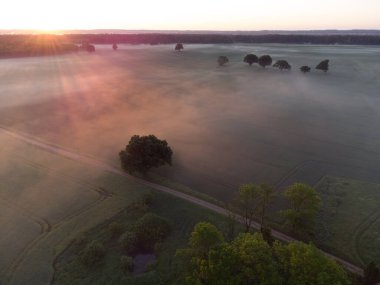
(350, 217)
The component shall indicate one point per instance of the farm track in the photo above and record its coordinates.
(102, 165)
(44, 224)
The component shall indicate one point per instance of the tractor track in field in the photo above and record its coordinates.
(106, 167)
(45, 225)
(279, 184)
(360, 230)
(45, 229)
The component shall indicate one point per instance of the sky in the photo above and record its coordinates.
(190, 15)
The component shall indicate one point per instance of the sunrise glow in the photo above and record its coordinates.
(45, 15)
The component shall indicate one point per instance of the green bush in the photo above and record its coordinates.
(150, 229)
(126, 263)
(92, 254)
(147, 199)
(128, 242)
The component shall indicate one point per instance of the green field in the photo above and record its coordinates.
(350, 217)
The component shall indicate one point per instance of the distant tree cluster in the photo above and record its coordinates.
(266, 60)
(249, 259)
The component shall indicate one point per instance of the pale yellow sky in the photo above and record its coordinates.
(190, 15)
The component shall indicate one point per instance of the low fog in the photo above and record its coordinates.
(226, 125)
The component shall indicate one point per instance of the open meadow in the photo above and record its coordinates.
(226, 125)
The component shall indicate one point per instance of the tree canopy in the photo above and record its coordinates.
(251, 201)
(304, 203)
(265, 60)
(249, 259)
(323, 65)
(251, 58)
(144, 152)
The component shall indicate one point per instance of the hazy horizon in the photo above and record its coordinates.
(239, 15)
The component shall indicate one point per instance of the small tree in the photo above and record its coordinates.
(204, 237)
(114, 46)
(253, 200)
(251, 58)
(222, 60)
(305, 69)
(178, 47)
(143, 153)
(304, 204)
(323, 65)
(247, 203)
(282, 64)
(265, 60)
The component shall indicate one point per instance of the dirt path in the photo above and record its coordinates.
(102, 165)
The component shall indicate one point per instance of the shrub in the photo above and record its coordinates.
(128, 242)
(147, 199)
(92, 254)
(126, 263)
(150, 229)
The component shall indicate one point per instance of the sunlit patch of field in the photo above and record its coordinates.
(350, 217)
(46, 201)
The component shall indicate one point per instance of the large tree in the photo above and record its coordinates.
(144, 152)
(265, 60)
(304, 204)
(251, 58)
